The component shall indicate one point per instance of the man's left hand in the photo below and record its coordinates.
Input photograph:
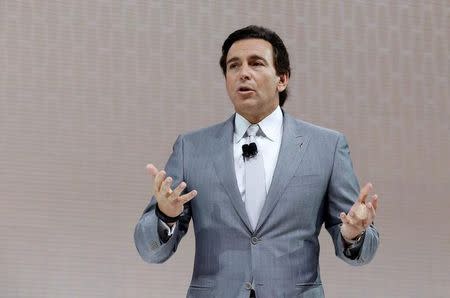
(360, 216)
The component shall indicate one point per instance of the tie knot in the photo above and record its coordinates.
(252, 130)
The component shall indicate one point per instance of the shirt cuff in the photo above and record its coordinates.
(353, 249)
(169, 230)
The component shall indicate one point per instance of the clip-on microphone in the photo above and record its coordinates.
(249, 150)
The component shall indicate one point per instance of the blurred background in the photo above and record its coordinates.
(92, 91)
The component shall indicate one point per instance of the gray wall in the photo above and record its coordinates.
(91, 91)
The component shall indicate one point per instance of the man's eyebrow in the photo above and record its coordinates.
(256, 57)
(232, 60)
(252, 57)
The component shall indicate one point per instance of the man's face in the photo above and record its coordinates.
(251, 79)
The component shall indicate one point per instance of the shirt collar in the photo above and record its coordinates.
(271, 126)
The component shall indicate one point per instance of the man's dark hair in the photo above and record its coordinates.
(280, 54)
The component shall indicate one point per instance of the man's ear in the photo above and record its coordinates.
(283, 82)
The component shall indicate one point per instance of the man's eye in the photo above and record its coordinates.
(258, 64)
(232, 66)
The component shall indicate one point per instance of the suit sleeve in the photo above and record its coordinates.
(343, 191)
(148, 236)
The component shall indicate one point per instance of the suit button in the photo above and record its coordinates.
(254, 240)
(248, 285)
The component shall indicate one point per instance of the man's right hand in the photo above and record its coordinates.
(170, 202)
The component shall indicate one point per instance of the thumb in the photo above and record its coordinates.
(152, 170)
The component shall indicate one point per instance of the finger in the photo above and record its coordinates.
(187, 197)
(178, 190)
(351, 213)
(152, 170)
(375, 202)
(165, 186)
(365, 192)
(372, 213)
(344, 218)
(159, 179)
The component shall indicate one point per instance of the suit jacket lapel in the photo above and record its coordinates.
(224, 166)
(292, 150)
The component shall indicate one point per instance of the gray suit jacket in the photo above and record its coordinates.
(313, 182)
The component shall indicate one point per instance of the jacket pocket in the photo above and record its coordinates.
(201, 284)
(308, 284)
(299, 181)
(309, 290)
(197, 291)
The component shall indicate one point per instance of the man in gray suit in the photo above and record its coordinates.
(264, 183)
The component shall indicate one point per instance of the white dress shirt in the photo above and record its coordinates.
(268, 143)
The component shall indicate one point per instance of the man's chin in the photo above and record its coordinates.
(248, 107)
(248, 103)
(246, 99)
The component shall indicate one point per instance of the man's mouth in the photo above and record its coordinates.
(245, 90)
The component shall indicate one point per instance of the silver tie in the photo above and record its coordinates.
(255, 181)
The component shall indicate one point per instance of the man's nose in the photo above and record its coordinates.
(244, 74)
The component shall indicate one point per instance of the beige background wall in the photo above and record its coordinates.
(91, 91)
